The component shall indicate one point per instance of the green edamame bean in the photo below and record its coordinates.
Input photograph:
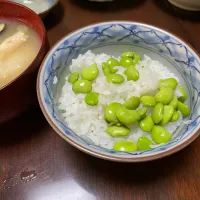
(82, 86)
(144, 143)
(142, 112)
(183, 97)
(132, 103)
(165, 95)
(148, 101)
(113, 63)
(168, 113)
(73, 77)
(128, 54)
(157, 113)
(160, 135)
(117, 131)
(115, 78)
(126, 62)
(136, 59)
(184, 109)
(90, 73)
(174, 102)
(132, 73)
(127, 146)
(110, 113)
(106, 69)
(146, 124)
(175, 116)
(92, 98)
(126, 116)
(168, 82)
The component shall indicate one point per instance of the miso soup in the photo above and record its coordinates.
(19, 45)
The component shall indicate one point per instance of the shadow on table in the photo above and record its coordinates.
(116, 5)
(89, 171)
(177, 12)
(23, 127)
(54, 16)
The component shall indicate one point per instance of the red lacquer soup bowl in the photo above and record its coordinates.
(19, 94)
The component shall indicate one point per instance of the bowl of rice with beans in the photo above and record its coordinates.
(122, 91)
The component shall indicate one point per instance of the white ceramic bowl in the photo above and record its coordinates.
(114, 38)
(41, 7)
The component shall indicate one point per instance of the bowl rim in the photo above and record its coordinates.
(185, 6)
(41, 14)
(43, 40)
(159, 155)
(44, 13)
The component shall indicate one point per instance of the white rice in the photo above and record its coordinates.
(55, 80)
(88, 121)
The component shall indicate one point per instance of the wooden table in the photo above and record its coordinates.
(37, 164)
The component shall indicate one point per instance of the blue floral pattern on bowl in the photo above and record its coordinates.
(124, 33)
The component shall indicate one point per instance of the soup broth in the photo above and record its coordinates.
(19, 45)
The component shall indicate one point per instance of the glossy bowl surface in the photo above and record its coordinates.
(38, 6)
(191, 5)
(19, 94)
(114, 38)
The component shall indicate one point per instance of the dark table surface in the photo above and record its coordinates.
(37, 164)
